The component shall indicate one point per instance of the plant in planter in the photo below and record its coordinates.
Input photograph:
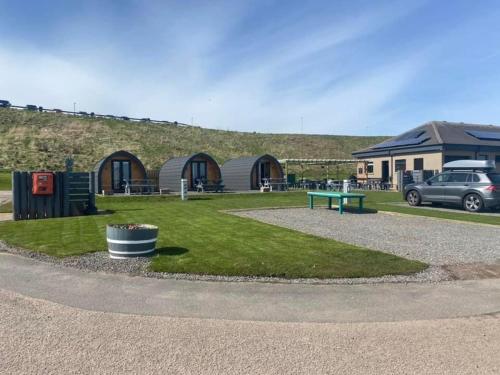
(131, 240)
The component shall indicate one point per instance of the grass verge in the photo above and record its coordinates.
(5, 180)
(195, 237)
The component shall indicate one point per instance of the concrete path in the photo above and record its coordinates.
(5, 196)
(248, 301)
(40, 337)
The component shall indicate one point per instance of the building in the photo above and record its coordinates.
(427, 148)
(195, 167)
(248, 173)
(116, 170)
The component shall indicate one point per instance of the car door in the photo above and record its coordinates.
(455, 186)
(433, 188)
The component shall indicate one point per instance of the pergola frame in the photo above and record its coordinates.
(321, 162)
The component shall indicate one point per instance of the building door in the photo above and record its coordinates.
(264, 171)
(198, 172)
(120, 175)
(385, 171)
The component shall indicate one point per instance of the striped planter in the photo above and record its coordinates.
(131, 240)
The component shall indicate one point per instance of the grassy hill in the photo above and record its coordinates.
(32, 140)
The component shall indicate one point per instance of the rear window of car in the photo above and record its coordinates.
(494, 177)
(473, 178)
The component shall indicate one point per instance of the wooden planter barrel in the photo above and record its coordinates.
(131, 240)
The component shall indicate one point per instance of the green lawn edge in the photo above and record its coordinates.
(196, 238)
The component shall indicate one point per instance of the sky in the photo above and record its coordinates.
(322, 67)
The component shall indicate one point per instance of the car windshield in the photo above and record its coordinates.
(494, 177)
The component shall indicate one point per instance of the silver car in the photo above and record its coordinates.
(472, 190)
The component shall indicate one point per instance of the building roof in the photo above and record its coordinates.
(436, 135)
(100, 164)
(173, 170)
(237, 173)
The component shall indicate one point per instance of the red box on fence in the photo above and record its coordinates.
(43, 183)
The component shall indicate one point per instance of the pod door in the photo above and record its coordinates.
(264, 171)
(120, 175)
(198, 172)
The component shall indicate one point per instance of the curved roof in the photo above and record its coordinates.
(100, 164)
(173, 169)
(237, 173)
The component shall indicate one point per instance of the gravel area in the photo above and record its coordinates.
(434, 241)
(100, 262)
(38, 337)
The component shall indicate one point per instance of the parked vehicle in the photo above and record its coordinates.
(31, 107)
(473, 184)
(5, 104)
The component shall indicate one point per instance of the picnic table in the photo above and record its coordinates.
(337, 195)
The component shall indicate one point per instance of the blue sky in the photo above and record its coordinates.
(345, 67)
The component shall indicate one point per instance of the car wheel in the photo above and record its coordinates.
(413, 198)
(473, 203)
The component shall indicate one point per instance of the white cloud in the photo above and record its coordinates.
(178, 81)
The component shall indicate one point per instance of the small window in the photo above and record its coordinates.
(482, 157)
(360, 170)
(418, 164)
(400, 165)
(458, 177)
(369, 167)
(497, 159)
(473, 178)
(443, 177)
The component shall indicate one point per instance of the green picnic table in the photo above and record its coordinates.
(337, 195)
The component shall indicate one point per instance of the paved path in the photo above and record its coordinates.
(5, 196)
(248, 301)
(39, 337)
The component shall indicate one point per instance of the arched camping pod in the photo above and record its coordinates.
(195, 167)
(248, 173)
(112, 172)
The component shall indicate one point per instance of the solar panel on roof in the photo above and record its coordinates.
(413, 134)
(479, 134)
(402, 142)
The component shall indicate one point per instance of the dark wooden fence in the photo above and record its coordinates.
(73, 196)
(154, 177)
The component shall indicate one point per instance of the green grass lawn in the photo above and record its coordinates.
(196, 237)
(5, 180)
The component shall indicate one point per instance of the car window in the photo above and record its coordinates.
(458, 177)
(443, 177)
(473, 178)
(494, 177)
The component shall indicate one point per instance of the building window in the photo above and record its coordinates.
(400, 165)
(449, 158)
(360, 170)
(418, 164)
(369, 167)
(482, 157)
(497, 159)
